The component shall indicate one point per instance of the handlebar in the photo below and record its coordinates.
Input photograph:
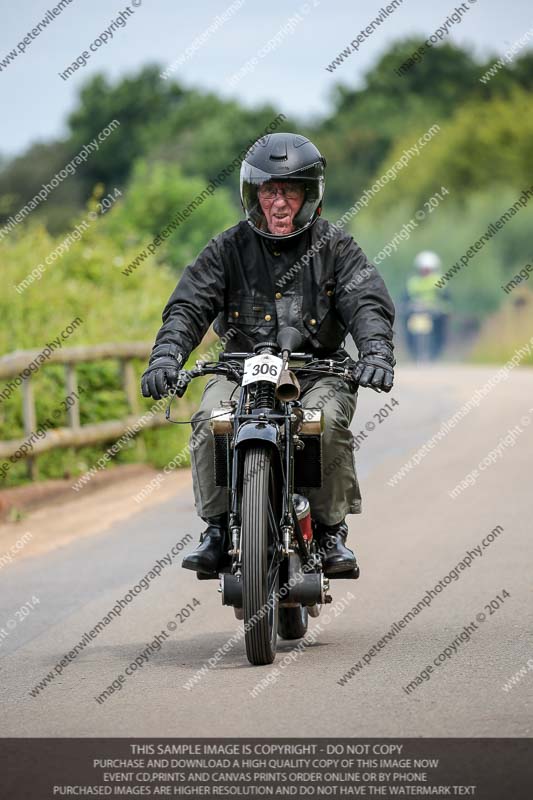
(228, 365)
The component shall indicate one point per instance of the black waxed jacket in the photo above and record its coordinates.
(319, 282)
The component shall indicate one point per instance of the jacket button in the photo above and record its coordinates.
(329, 292)
(312, 321)
(268, 317)
(235, 313)
(276, 252)
(278, 295)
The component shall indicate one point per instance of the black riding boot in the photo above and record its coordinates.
(336, 557)
(208, 554)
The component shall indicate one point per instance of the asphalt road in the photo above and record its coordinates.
(410, 536)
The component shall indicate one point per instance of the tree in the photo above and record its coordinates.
(485, 145)
(136, 102)
(24, 176)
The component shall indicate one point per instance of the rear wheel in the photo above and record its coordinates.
(293, 622)
(260, 559)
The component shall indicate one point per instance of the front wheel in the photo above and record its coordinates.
(260, 558)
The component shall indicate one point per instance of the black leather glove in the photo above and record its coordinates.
(162, 372)
(375, 367)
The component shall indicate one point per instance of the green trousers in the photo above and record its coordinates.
(339, 494)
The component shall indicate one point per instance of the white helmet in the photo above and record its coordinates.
(427, 261)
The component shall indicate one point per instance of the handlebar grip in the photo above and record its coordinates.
(181, 384)
(181, 388)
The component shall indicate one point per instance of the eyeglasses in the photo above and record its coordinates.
(289, 192)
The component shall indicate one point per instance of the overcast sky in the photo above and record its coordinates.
(35, 100)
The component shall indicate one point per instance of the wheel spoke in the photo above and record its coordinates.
(272, 573)
(273, 525)
(274, 565)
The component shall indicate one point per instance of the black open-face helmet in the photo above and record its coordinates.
(283, 157)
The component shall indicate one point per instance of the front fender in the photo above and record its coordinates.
(265, 432)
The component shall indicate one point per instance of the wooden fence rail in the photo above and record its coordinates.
(75, 435)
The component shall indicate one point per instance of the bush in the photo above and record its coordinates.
(88, 282)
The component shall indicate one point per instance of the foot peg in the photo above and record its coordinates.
(351, 574)
(224, 566)
(207, 576)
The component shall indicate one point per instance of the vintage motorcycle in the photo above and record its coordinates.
(266, 447)
(425, 332)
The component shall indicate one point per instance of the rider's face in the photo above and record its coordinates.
(280, 210)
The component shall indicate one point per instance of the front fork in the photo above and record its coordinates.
(287, 523)
(288, 518)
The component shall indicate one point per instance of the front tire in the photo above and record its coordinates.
(260, 570)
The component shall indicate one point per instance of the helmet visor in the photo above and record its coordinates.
(303, 191)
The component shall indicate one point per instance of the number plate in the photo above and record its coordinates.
(264, 367)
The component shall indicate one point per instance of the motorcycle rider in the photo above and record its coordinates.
(422, 293)
(281, 266)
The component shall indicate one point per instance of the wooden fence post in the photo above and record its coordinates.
(30, 422)
(72, 388)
